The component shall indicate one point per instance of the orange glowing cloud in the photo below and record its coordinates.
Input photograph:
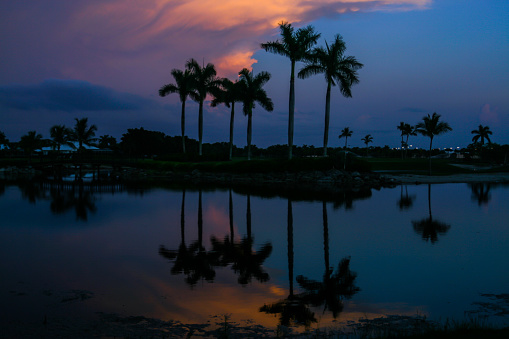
(226, 33)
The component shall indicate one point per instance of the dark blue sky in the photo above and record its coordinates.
(106, 61)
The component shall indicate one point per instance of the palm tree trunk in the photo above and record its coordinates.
(327, 117)
(430, 143)
(200, 127)
(290, 246)
(249, 131)
(291, 110)
(183, 126)
(231, 129)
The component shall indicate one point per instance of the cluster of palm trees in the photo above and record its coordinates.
(82, 133)
(196, 81)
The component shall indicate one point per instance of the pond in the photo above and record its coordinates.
(202, 255)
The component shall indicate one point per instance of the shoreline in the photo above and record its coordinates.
(470, 178)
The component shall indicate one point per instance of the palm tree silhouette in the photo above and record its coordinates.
(338, 69)
(31, 142)
(229, 94)
(346, 133)
(184, 87)
(61, 135)
(335, 287)
(406, 130)
(405, 201)
(292, 310)
(430, 127)
(204, 82)
(83, 134)
(367, 139)
(251, 91)
(430, 228)
(483, 132)
(296, 46)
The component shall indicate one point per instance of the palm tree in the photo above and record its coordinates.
(183, 86)
(204, 82)
(430, 127)
(228, 95)
(296, 46)
(61, 135)
(30, 142)
(483, 132)
(367, 139)
(251, 91)
(338, 69)
(346, 133)
(83, 134)
(3, 139)
(406, 130)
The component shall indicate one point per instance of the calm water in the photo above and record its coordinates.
(191, 254)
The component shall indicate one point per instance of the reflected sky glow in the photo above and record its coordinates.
(114, 254)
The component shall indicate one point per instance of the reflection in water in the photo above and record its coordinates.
(430, 228)
(81, 201)
(480, 193)
(198, 264)
(405, 201)
(335, 287)
(293, 311)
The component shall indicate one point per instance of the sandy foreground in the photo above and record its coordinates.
(455, 178)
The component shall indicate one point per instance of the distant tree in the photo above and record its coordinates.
(406, 130)
(60, 135)
(483, 132)
(338, 69)
(31, 142)
(107, 141)
(142, 142)
(367, 139)
(3, 139)
(346, 133)
(184, 87)
(228, 94)
(83, 134)
(431, 126)
(204, 81)
(296, 46)
(251, 91)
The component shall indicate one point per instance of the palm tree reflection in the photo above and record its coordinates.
(335, 287)
(481, 193)
(405, 201)
(79, 199)
(430, 228)
(293, 310)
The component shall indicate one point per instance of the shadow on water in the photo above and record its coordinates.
(428, 227)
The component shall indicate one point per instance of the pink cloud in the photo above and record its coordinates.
(489, 115)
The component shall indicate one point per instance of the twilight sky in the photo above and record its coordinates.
(106, 60)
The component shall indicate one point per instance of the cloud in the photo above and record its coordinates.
(68, 96)
(489, 115)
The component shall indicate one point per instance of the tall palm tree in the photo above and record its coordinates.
(367, 139)
(251, 92)
(204, 81)
(338, 69)
(346, 133)
(82, 133)
(61, 135)
(184, 87)
(31, 142)
(483, 132)
(296, 46)
(229, 94)
(431, 126)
